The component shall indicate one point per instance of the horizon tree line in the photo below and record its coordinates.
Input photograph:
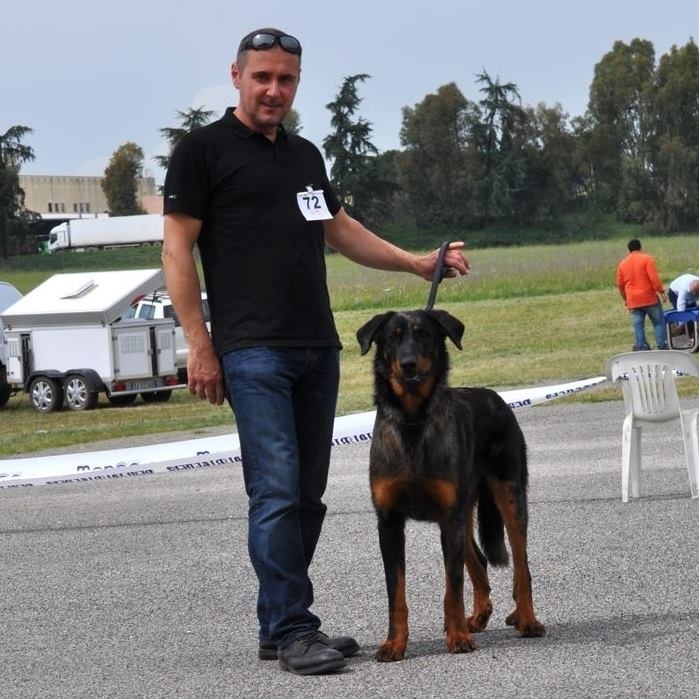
(472, 164)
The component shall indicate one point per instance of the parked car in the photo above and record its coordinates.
(159, 305)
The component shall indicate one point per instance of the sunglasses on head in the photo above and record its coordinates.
(264, 41)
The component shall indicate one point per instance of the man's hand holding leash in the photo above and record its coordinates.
(454, 262)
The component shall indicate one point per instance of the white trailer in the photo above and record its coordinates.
(65, 342)
(106, 232)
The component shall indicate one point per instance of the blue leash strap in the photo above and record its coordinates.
(438, 275)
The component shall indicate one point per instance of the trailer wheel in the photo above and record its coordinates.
(126, 399)
(79, 395)
(45, 394)
(156, 396)
(5, 393)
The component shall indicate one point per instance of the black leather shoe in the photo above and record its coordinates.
(309, 655)
(345, 644)
(267, 651)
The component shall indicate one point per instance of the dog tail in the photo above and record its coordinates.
(491, 528)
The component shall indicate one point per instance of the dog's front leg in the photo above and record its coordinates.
(392, 544)
(458, 638)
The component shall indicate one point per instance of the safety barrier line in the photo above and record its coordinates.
(205, 452)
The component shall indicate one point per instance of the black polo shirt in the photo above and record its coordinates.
(263, 262)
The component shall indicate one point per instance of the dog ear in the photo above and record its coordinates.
(452, 327)
(367, 333)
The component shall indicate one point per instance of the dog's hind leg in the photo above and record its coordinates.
(456, 627)
(477, 567)
(512, 503)
(392, 544)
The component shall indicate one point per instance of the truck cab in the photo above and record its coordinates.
(58, 237)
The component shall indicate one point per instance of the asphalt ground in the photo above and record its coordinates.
(142, 587)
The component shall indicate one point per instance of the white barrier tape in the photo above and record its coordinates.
(523, 397)
(205, 452)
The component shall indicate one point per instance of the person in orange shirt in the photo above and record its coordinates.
(640, 286)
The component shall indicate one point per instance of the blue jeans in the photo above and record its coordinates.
(638, 319)
(284, 402)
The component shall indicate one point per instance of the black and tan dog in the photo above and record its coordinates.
(437, 454)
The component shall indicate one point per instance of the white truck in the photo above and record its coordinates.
(65, 342)
(106, 232)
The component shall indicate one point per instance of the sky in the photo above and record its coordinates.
(88, 76)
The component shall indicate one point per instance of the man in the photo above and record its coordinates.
(640, 286)
(684, 291)
(257, 203)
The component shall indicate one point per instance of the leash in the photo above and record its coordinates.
(438, 275)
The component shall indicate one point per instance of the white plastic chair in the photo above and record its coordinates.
(650, 395)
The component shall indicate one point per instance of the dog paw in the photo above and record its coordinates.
(533, 629)
(390, 652)
(479, 620)
(460, 642)
(528, 628)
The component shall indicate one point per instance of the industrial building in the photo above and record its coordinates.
(64, 197)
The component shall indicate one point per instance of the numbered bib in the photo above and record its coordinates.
(312, 205)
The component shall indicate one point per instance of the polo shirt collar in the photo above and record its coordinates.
(230, 119)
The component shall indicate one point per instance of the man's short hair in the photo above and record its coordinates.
(634, 244)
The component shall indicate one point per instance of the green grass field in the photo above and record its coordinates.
(534, 315)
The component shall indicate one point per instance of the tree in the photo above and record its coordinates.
(551, 176)
(121, 178)
(676, 157)
(14, 219)
(364, 180)
(191, 119)
(622, 116)
(503, 116)
(437, 170)
(292, 122)
(350, 144)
